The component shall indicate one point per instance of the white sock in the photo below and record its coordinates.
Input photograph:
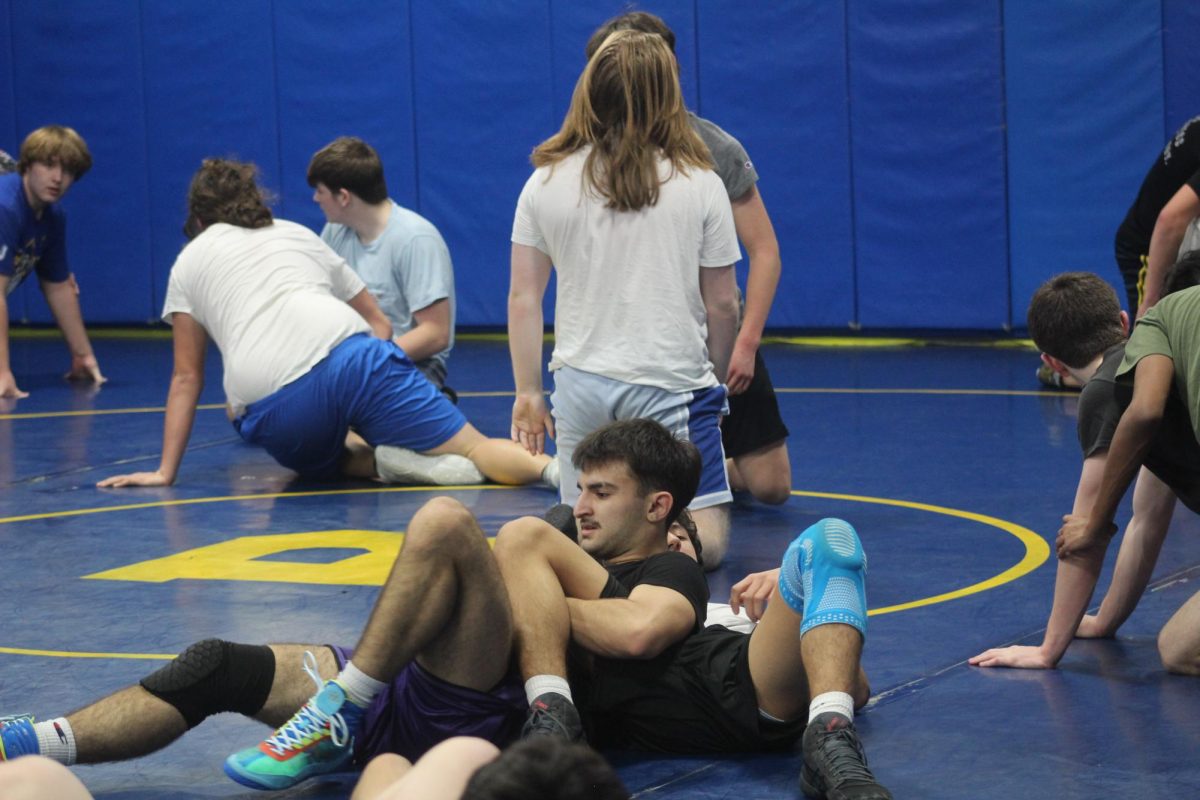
(540, 684)
(839, 702)
(360, 687)
(56, 740)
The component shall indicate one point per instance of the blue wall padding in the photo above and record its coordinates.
(1085, 121)
(344, 68)
(81, 65)
(927, 152)
(786, 103)
(1181, 53)
(925, 164)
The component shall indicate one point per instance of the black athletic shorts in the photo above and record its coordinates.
(1133, 272)
(754, 420)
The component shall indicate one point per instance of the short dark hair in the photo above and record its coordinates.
(1184, 273)
(1075, 317)
(655, 458)
(688, 523)
(349, 163)
(224, 190)
(51, 143)
(641, 21)
(544, 768)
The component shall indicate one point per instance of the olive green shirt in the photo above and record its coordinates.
(1171, 329)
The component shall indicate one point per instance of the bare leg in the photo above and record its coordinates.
(541, 569)
(36, 778)
(712, 524)
(443, 604)
(766, 473)
(1179, 640)
(383, 771)
(501, 460)
(359, 459)
(440, 774)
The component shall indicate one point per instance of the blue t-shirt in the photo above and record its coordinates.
(406, 269)
(29, 244)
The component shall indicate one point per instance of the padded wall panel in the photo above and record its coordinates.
(78, 63)
(10, 137)
(210, 91)
(787, 105)
(1085, 121)
(345, 69)
(1181, 32)
(483, 100)
(927, 153)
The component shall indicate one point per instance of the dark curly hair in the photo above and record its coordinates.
(224, 190)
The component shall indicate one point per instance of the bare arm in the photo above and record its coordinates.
(719, 292)
(63, 299)
(531, 420)
(753, 592)
(431, 333)
(8, 383)
(642, 625)
(369, 310)
(757, 235)
(1169, 230)
(187, 380)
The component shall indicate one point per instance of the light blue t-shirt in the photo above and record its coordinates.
(406, 269)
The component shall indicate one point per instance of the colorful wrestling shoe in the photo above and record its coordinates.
(552, 714)
(835, 766)
(317, 740)
(17, 737)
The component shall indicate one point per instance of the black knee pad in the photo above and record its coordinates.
(213, 676)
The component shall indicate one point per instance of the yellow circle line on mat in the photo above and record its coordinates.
(1036, 549)
(505, 393)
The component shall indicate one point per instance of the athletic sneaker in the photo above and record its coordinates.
(835, 766)
(552, 714)
(317, 740)
(399, 465)
(550, 473)
(562, 517)
(17, 737)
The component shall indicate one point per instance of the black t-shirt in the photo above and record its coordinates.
(1177, 164)
(622, 700)
(1174, 455)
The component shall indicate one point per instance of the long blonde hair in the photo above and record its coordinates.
(628, 106)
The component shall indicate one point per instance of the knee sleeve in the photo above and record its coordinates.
(213, 676)
(823, 576)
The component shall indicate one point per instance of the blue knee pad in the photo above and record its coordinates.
(823, 576)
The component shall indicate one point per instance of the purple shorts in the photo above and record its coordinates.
(419, 710)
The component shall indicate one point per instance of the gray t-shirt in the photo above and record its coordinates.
(733, 163)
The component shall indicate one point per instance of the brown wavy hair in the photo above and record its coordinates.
(224, 190)
(628, 107)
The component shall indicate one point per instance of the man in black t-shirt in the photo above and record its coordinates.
(627, 613)
(1148, 239)
(1076, 319)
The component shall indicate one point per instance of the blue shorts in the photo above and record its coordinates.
(365, 384)
(583, 402)
(418, 710)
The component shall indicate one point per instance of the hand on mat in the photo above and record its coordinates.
(1077, 535)
(85, 368)
(1017, 656)
(9, 388)
(752, 593)
(155, 478)
(741, 370)
(531, 422)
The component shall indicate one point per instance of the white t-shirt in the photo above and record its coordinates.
(628, 305)
(273, 299)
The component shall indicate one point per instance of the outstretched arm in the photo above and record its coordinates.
(1169, 230)
(187, 381)
(531, 420)
(368, 309)
(757, 235)
(8, 383)
(719, 292)
(63, 299)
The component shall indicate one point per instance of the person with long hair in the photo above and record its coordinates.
(625, 206)
(311, 373)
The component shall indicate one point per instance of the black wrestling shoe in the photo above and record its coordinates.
(552, 714)
(562, 517)
(835, 766)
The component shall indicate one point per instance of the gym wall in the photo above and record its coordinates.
(926, 163)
